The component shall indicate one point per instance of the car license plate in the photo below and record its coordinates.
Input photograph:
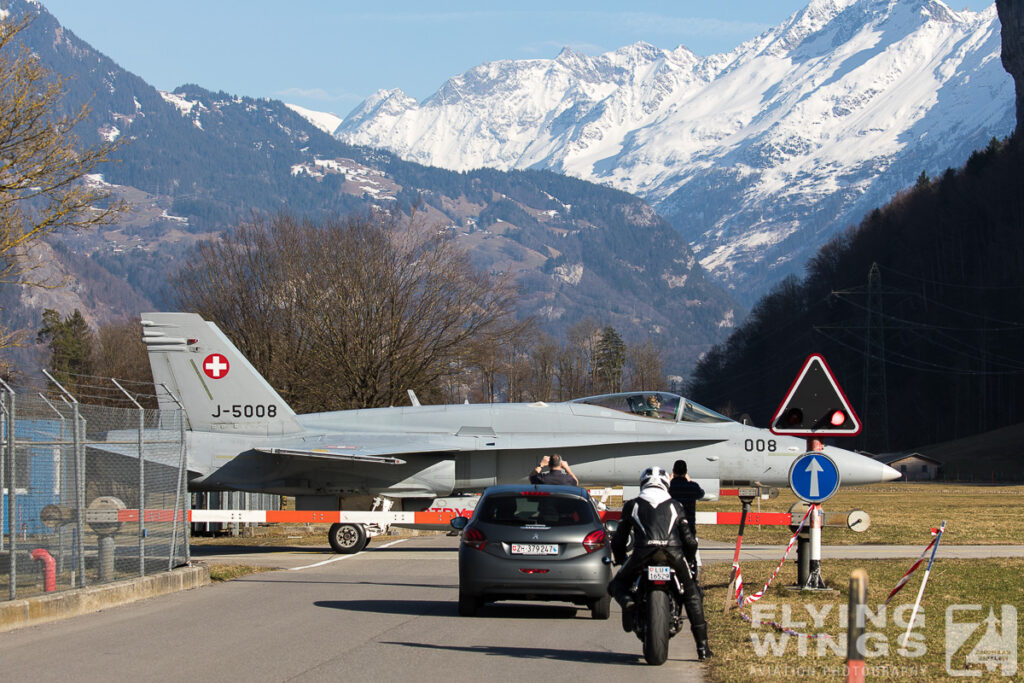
(659, 573)
(534, 549)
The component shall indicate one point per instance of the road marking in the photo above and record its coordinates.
(343, 557)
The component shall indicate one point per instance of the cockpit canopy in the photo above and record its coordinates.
(661, 405)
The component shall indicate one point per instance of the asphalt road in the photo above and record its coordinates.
(287, 556)
(386, 614)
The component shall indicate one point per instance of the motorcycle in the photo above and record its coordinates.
(658, 596)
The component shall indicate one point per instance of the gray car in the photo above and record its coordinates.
(531, 542)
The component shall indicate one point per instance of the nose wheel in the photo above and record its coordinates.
(347, 538)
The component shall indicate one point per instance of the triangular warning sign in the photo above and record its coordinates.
(815, 405)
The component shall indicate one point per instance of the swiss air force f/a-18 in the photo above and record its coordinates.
(243, 436)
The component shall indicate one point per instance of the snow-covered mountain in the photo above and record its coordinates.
(325, 121)
(196, 162)
(757, 156)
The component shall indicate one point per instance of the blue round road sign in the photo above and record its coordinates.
(814, 477)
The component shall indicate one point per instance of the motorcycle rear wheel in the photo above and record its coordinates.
(656, 634)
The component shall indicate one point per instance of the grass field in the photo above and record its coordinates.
(900, 514)
(986, 583)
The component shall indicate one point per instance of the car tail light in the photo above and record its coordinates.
(595, 540)
(534, 571)
(474, 538)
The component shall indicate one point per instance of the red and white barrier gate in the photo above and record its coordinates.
(432, 517)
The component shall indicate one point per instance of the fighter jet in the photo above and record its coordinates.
(243, 436)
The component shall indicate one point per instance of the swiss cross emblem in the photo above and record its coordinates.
(215, 366)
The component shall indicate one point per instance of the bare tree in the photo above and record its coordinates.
(644, 368)
(43, 166)
(348, 313)
(541, 380)
(575, 365)
(253, 283)
(118, 352)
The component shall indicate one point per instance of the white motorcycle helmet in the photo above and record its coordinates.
(654, 476)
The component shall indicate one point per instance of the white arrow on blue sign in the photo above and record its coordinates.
(814, 477)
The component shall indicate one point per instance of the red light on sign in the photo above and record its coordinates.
(838, 418)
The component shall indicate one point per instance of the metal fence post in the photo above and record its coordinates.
(79, 432)
(12, 494)
(178, 503)
(3, 464)
(60, 477)
(80, 435)
(142, 481)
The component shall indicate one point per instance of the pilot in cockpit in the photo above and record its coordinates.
(653, 406)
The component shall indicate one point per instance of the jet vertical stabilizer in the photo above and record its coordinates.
(218, 387)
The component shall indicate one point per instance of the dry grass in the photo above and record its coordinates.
(989, 583)
(301, 535)
(226, 572)
(900, 514)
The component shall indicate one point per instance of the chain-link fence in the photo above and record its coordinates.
(91, 493)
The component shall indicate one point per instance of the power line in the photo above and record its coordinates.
(934, 367)
(1012, 325)
(952, 284)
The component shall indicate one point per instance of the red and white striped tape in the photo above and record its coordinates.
(906, 577)
(754, 597)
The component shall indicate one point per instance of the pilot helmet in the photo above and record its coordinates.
(654, 476)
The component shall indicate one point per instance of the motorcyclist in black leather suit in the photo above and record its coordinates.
(660, 531)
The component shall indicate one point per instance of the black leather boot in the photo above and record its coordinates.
(626, 602)
(628, 614)
(700, 636)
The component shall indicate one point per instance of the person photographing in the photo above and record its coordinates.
(558, 472)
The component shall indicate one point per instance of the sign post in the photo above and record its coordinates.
(814, 478)
(746, 496)
(815, 406)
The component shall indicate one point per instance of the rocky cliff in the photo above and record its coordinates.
(1011, 16)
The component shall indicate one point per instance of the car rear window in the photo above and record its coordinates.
(517, 509)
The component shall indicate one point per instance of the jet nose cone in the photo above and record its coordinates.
(890, 473)
(857, 469)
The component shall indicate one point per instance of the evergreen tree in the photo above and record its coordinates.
(71, 346)
(609, 361)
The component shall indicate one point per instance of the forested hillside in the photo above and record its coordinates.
(935, 340)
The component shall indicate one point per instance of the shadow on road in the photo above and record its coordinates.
(200, 551)
(449, 608)
(212, 549)
(589, 656)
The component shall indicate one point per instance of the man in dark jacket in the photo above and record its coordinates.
(687, 492)
(660, 534)
(558, 472)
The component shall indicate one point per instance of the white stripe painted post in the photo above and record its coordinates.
(924, 582)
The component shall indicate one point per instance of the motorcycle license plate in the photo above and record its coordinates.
(659, 573)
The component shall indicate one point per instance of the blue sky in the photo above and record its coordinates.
(330, 55)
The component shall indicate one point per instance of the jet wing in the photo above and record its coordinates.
(395, 449)
(379, 449)
(331, 454)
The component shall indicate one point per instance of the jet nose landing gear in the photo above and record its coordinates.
(347, 538)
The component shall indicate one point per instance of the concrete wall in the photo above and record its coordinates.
(41, 609)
